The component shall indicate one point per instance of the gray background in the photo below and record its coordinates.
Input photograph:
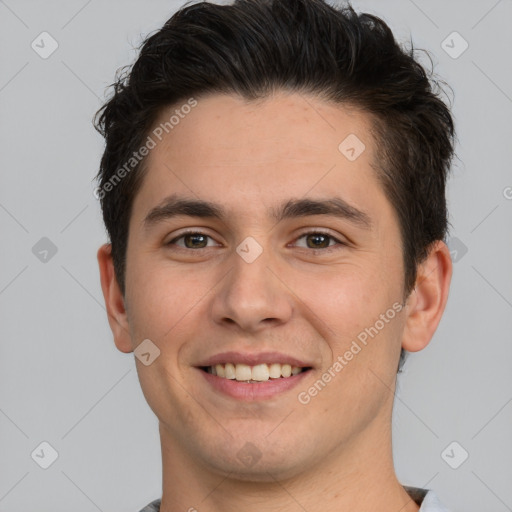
(63, 381)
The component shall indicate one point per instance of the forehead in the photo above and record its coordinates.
(285, 126)
(252, 154)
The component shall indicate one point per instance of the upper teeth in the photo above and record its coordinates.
(260, 372)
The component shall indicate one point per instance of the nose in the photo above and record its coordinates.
(252, 296)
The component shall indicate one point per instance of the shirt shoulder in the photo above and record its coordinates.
(154, 506)
(426, 498)
(431, 503)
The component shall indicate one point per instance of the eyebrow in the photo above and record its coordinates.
(175, 205)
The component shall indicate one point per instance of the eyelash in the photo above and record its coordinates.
(313, 232)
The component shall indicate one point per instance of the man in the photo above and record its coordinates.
(273, 184)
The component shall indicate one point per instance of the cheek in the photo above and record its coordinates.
(160, 297)
(346, 306)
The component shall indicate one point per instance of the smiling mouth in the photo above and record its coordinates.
(253, 374)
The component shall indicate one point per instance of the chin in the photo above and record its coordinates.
(269, 463)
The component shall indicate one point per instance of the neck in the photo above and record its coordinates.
(357, 476)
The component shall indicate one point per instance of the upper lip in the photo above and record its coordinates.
(252, 359)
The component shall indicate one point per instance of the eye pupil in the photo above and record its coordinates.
(318, 237)
(195, 236)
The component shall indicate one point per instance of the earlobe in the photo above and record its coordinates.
(114, 300)
(426, 303)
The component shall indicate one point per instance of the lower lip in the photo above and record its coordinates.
(253, 391)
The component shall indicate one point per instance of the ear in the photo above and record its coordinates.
(425, 304)
(114, 300)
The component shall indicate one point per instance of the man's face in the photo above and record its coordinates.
(319, 281)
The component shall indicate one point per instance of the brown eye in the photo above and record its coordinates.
(191, 240)
(319, 240)
(195, 240)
